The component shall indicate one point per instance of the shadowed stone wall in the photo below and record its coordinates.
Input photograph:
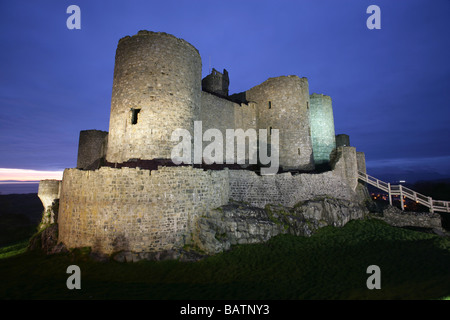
(91, 149)
(216, 83)
(361, 161)
(342, 140)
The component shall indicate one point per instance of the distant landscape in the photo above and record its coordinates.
(20, 215)
(18, 187)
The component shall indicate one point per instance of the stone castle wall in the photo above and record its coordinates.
(361, 161)
(283, 103)
(49, 191)
(156, 89)
(136, 210)
(216, 83)
(216, 113)
(287, 189)
(345, 164)
(223, 114)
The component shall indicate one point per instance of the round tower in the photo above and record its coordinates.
(322, 127)
(283, 103)
(156, 89)
(91, 149)
(342, 140)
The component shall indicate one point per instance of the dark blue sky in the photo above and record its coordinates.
(390, 87)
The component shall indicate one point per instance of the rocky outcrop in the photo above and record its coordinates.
(398, 218)
(239, 223)
(127, 256)
(47, 241)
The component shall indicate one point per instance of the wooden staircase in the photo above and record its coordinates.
(403, 192)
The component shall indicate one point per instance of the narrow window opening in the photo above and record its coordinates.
(307, 105)
(298, 151)
(270, 104)
(134, 115)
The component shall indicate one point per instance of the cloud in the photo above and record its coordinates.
(28, 175)
(411, 169)
(410, 162)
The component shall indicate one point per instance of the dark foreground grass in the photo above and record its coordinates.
(329, 265)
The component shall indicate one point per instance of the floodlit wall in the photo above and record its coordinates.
(322, 127)
(156, 89)
(136, 210)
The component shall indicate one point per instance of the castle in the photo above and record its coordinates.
(127, 195)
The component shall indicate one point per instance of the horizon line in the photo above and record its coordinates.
(12, 175)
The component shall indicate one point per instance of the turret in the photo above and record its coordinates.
(283, 104)
(216, 83)
(156, 90)
(322, 127)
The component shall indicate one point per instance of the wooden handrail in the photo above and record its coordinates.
(404, 192)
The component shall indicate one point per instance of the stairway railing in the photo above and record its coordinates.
(404, 192)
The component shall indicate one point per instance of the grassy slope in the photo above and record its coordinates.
(19, 216)
(330, 265)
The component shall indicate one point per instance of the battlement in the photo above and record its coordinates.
(281, 81)
(143, 33)
(320, 96)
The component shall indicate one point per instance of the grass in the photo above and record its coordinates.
(331, 264)
(15, 249)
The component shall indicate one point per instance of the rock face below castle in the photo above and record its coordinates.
(237, 223)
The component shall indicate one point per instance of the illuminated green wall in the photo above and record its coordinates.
(322, 127)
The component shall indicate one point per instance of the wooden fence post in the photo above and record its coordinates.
(390, 196)
(401, 198)
(431, 204)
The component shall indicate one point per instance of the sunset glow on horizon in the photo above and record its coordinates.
(28, 175)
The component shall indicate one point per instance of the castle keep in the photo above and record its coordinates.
(127, 195)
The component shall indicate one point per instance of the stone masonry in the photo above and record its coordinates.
(322, 127)
(128, 209)
(283, 104)
(156, 89)
(49, 191)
